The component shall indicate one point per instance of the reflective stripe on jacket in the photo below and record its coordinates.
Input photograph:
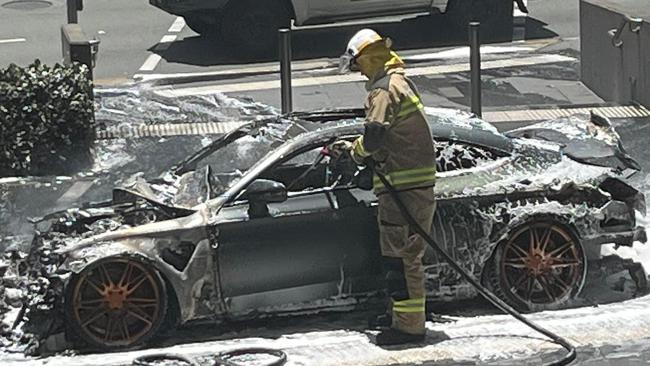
(397, 135)
(410, 177)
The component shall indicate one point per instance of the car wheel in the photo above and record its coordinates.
(205, 24)
(541, 265)
(116, 302)
(495, 17)
(253, 25)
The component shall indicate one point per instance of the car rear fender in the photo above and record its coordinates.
(582, 220)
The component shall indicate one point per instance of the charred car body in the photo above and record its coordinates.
(260, 222)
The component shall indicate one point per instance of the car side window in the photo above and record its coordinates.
(305, 171)
(453, 155)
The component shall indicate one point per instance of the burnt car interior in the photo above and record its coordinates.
(452, 155)
(309, 168)
(306, 172)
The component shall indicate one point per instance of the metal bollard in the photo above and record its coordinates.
(475, 67)
(74, 6)
(285, 70)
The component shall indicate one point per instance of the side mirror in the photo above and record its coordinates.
(265, 191)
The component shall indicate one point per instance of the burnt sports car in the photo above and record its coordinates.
(262, 221)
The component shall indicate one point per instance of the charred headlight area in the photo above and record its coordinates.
(33, 284)
(178, 255)
(142, 212)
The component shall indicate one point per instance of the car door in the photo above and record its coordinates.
(318, 244)
(319, 11)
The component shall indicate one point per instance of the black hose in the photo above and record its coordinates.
(221, 359)
(150, 360)
(500, 304)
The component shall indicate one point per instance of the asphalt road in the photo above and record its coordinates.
(126, 28)
(137, 38)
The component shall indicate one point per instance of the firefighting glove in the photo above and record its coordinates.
(340, 148)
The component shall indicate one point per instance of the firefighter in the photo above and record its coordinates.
(398, 141)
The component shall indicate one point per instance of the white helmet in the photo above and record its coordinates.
(361, 40)
(357, 44)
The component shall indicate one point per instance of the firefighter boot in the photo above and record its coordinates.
(390, 337)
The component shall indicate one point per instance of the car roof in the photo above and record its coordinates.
(445, 124)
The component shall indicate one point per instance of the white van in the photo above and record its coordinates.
(252, 24)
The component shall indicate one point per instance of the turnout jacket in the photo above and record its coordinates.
(396, 136)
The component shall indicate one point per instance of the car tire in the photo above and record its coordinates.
(495, 17)
(206, 24)
(116, 302)
(252, 26)
(541, 265)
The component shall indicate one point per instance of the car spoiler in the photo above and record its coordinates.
(590, 140)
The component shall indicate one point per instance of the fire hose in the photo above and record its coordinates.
(221, 359)
(487, 294)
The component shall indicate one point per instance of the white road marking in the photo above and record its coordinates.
(337, 79)
(153, 59)
(463, 52)
(12, 40)
(316, 66)
(238, 71)
(151, 62)
(177, 26)
(165, 42)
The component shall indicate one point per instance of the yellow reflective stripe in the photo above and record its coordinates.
(409, 306)
(410, 105)
(410, 172)
(418, 301)
(409, 176)
(359, 150)
(408, 310)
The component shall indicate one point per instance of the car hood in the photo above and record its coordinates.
(587, 139)
(182, 192)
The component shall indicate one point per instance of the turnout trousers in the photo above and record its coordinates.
(402, 251)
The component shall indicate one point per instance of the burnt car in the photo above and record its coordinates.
(261, 222)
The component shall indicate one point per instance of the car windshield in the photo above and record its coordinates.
(229, 158)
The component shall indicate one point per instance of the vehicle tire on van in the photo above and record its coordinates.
(204, 23)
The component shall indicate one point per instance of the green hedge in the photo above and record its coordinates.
(47, 122)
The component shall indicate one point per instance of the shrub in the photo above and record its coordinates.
(47, 122)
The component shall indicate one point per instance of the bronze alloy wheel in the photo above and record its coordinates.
(542, 266)
(117, 302)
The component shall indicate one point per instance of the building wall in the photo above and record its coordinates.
(617, 74)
